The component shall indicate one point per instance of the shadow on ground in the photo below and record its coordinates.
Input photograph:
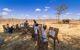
(18, 42)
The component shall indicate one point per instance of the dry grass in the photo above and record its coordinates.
(69, 36)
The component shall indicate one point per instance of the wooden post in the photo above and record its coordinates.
(54, 44)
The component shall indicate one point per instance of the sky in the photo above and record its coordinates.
(38, 9)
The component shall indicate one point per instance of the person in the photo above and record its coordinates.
(25, 27)
(34, 25)
(4, 29)
(17, 27)
(22, 25)
(44, 38)
(22, 29)
(14, 28)
(11, 29)
(8, 28)
(36, 32)
(26, 24)
(39, 38)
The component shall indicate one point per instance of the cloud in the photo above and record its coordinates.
(46, 8)
(73, 14)
(4, 13)
(7, 9)
(70, 15)
(37, 9)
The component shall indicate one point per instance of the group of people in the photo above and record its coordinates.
(40, 33)
(15, 28)
(8, 29)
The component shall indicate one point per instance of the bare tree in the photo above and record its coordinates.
(61, 9)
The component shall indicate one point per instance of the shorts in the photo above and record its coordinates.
(35, 37)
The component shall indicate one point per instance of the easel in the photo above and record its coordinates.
(55, 38)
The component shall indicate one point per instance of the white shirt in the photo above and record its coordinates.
(36, 29)
(44, 36)
(22, 25)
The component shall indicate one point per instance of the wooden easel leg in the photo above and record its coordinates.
(54, 45)
(58, 40)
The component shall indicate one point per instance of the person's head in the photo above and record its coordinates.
(45, 27)
(7, 24)
(16, 24)
(36, 24)
(3, 25)
(12, 26)
(26, 21)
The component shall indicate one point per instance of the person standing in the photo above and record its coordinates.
(34, 25)
(36, 34)
(44, 38)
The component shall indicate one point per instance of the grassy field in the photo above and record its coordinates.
(69, 37)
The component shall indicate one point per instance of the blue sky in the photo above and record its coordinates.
(38, 9)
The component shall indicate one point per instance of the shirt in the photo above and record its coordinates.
(44, 36)
(36, 29)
